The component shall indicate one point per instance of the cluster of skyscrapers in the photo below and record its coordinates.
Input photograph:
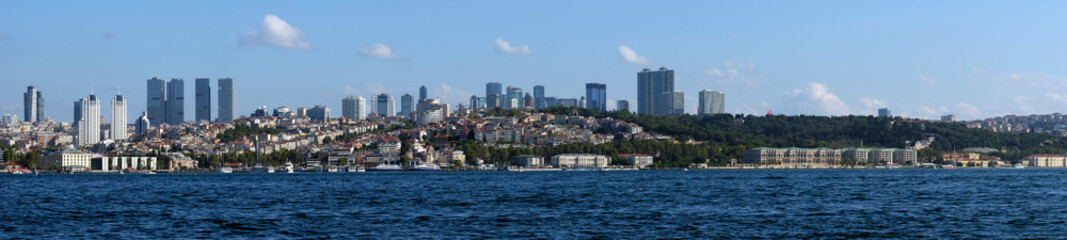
(166, 100)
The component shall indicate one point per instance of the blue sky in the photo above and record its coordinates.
(975, 59)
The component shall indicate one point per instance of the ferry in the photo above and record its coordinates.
(386, 168)
(426, 168)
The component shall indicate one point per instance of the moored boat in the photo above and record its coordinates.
(426, 168)
(386, 168)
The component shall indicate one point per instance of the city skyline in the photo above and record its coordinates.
(821, 61)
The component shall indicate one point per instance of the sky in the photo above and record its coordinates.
(922, 59)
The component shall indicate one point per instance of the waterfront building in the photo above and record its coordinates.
(175, 101)
(596, 96)
(87, 112)
(353, 107)
(527, 160)
(406, 102)
(711, 102)
(203, 99)
(639, 160)
(494, 88)
(67, 159)
(32, 105)
(580, 160)
(622, 105)
(118, 118)
(226, 100)
(142, 124)
(1046, 160)
(884, 112)
(422, 92)
(319, 113)
(120, 163)
(793, 157)
(539, 97)
(652, 86)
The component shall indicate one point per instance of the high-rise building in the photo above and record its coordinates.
(596, 96)
(422, 92)
(475, 102)
(711, 102)
(11, 119)
(353, 107)
(514, 98)
(319, 113)
(203, 99)
(494, 88)
(622, 105)
(32, 105)
(118, 118)
(884, 112)
(384, 105)
(550, 102)
(175, 101)
(581, 102)
(430, 111)
(677, 105)
(539, 97)
(282, 111)
(654, 91)
(948, 118)
(492, 101)
(89, 123)
(528, 101)
(142, 124)
(226, 100)
(157, 101)
(406, 102)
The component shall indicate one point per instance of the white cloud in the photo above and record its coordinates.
(931, 113)
(506, 48)
(379, 51)
(732, 73)
(872, 103)
(276, 32)
(927, 80)
(968, 110)
(817, 99)
(1057, 98)
(449, 95)
(628, 55)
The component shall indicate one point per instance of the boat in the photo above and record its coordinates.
(386, 168)
(333, 169)
(426, 168)
(355, 169)
(1018, 165)
(261, 169)
(288, 167)
(581, 169)
(150, 172)
(225, 169)
(948, 166)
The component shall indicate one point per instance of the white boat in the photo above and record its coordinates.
(1018, 165)
(150, 172)
(16, 172)
(288, 167)
(581, 169)
(386, 168)
(426, 168)
(333, 169)
(225, 169)
(355, 169)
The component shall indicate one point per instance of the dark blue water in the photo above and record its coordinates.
(1029, 203)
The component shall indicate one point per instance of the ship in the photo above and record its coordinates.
(426, 168)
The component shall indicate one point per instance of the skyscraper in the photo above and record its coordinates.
(677, 105)
(654, 91)
(353, 107)
(406, 101)
(89, 123)
(203, 99)
(596, 96)
(142, 124)
(884, 112)
(175, 101)
(118, 118)
(711, 102)
(528, 101)
(514, 98)
(32, 105)
(622, 105)
(422, 92)
(539, 97)
(319, 113)
(492, 101)
(157, 101)
(385, 105)
(226, 100)
(494, 88)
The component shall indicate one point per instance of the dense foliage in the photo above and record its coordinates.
(239, 131)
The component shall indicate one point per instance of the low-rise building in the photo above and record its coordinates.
(527, 160)
(67, 159)
(1046, 160)
(580, 160)
(639, 160)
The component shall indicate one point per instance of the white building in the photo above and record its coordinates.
(639, 160)
(580, 160)
(354, 107)
(68, 159)
(87, 120)
(118, 118)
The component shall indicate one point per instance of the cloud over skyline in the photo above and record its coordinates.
(274, 31)
(630, 56)
(379, 51)
(816, 98)
(505, 47)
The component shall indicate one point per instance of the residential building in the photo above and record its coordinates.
(203, 99)
(88, 123)
(596, 96)
(226, 100)
(711, 102)
(319, 113)
(652, 86)
(118, 118)
(353, 107)
(539, 97)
